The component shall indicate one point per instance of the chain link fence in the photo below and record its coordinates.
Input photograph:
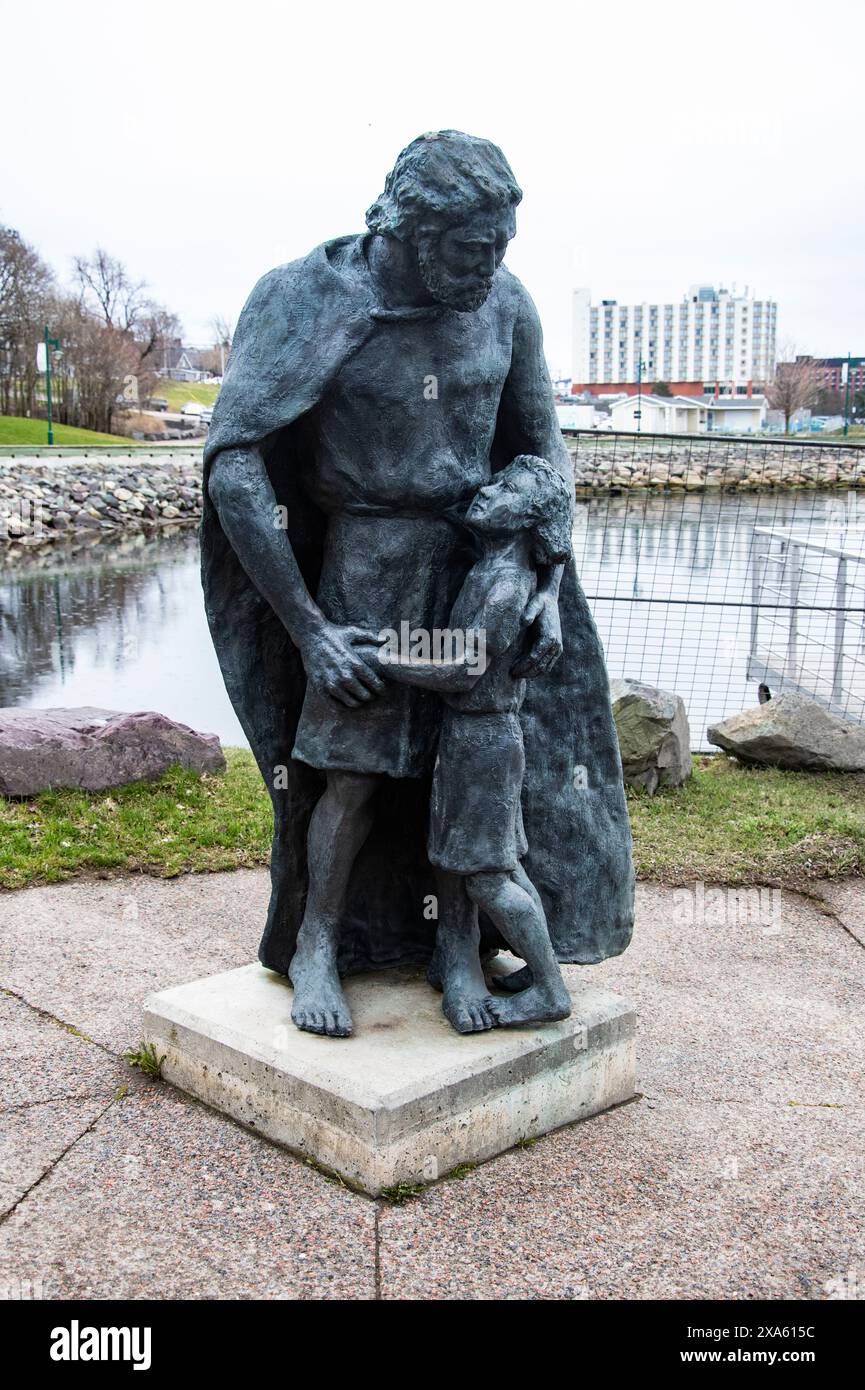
(714, 565)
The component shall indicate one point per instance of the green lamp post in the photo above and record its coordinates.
(49, 344)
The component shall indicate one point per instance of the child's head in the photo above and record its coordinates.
(527, 495)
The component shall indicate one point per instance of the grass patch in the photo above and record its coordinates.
(855, 435)
(729, 824)
(15, 429)
(461, 1171)
(734, 824)
(177, 393)
(145, 1059)
(182, 823)
(402, 1192)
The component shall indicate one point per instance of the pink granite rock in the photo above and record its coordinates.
(96, 748)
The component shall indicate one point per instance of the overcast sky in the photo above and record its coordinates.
(657, 144)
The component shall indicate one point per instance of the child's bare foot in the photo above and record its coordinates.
(515, 981)
(536, 1004)
(467, 1005)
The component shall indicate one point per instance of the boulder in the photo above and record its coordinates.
(654, 736)
(795, 732)
(92, 749)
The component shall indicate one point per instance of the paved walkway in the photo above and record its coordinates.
(738, 1173)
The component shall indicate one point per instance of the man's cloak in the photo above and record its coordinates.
(301, 324)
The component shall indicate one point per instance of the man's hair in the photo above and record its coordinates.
(553, 503)
(443, 176)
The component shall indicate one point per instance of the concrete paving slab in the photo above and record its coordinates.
(42, 1061)
(846, 899)
(165, 1199)
(737, 1176)
(34, 1137)
(89, 952)
(739, 1012)
(668, 1199)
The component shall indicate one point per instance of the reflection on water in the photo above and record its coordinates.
(117, 625)
(121, 624)
(665, 576)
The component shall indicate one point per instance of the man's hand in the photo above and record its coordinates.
(333, 663)
(542, 611)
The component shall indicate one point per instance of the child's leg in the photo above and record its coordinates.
(456, 965)
(519, 916)
(521, 979)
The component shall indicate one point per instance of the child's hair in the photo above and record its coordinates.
(552, 506)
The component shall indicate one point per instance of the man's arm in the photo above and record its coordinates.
(241, 492)
(528, 414)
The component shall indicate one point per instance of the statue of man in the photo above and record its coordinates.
(373, 388)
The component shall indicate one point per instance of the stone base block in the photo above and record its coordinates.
(406, 1099)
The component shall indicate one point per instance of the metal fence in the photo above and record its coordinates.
(715, 564)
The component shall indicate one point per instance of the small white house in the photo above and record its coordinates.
(659, 414)
(736, 414)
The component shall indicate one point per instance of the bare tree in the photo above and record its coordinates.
(795, 385)
(106, 288)
(107, 291)
(222, 336)
(26, 285)
(91, 369)
(108, 331)
(158, 334)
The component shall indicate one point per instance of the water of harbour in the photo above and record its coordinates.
(120, 624)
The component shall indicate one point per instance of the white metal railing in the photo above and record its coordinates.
(808, 614)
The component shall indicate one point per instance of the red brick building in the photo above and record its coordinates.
(830, 372)
(717, 389)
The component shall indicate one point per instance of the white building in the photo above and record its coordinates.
(711, 336)
(689, 414)
(737, 415)
(659, 414)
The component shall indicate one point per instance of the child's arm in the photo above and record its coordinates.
(442, 677)
(491, 623)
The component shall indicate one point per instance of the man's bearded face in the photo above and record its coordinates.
(457, 263)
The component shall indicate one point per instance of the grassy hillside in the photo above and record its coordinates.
(14, 429)
(177, 393)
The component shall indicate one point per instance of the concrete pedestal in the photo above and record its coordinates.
(406, 1099)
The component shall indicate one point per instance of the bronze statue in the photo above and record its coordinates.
(383, 398)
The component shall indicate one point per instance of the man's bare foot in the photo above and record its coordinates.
(534, 1005)
(319, 1003)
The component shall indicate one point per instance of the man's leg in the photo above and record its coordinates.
(467, 1001)
(338, 827)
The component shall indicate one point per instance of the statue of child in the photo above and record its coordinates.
(521, 519)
